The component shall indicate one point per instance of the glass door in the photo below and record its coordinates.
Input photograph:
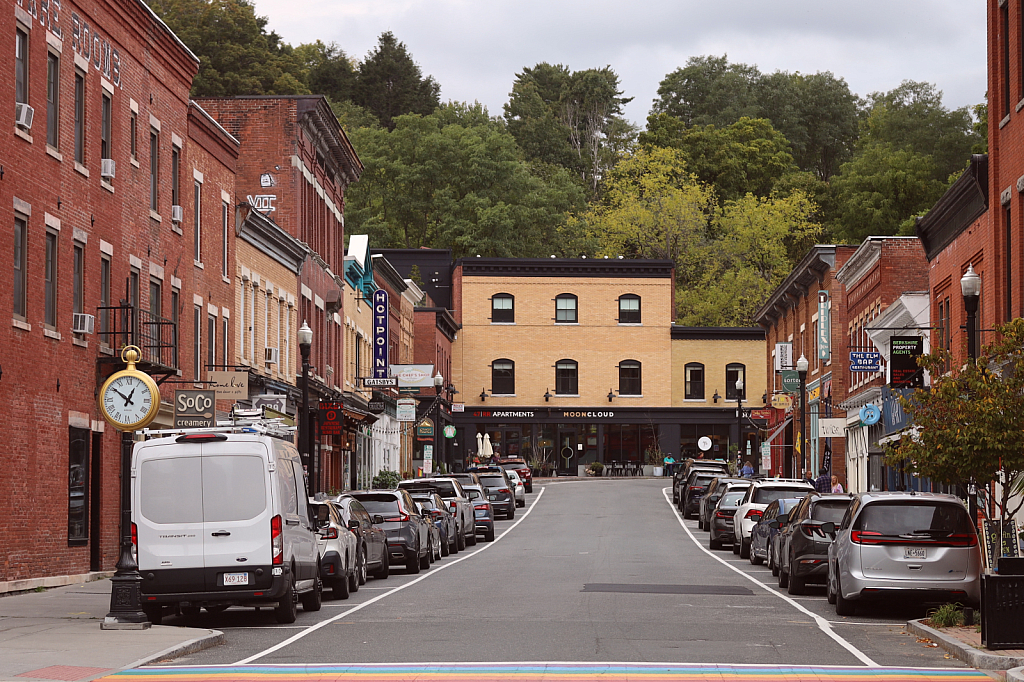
(567, 451)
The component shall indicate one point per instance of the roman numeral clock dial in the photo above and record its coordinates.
(129, 399)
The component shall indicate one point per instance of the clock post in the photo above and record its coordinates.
(126, 585)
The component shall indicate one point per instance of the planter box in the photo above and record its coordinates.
(658, 471)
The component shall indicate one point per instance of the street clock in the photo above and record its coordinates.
(129, 399)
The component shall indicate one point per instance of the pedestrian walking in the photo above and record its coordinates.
(748, 470)
(823, 484)
(809, 477)
(837, 487)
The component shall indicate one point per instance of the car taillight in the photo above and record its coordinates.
(961, 540)
(276, 540)
(696, 487)
(811, 529)
(135, 535)
(482, 506)
(754, 514)
(504, 490)
(393, 519)
(332, 534)
(723, 514)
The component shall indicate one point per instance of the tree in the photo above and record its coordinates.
(708, 91)
(237, 56)
(328, 70)
(389, 83)
(970, 425)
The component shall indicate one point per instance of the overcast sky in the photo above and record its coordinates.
(474, 49)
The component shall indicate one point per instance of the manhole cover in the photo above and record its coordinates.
(666, 589)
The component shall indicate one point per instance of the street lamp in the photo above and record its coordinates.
(739, 419)
(305, 335)
(801, 369)
(438, 387)
(970, 287)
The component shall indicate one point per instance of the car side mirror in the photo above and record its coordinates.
(782, 518)
(378, 519)
(322, 524)
(828, 528)
(353, 524)
(774, 523)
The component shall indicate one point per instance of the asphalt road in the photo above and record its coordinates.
(591, 571)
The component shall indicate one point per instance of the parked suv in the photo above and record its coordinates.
(693, 490)
(483, 511)
(722, 522)
(759, 495)
(683, 469)
(408, 532)
(373, 539)
(763, 533)
(803, 545)
(918, 546)
(451, 491)
(716, 488)
(500, 492)
(340, 554)
(440, 517)
(521, 468)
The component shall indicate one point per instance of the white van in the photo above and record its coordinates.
(221, 519)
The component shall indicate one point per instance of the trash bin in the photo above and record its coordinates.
(1002, 611)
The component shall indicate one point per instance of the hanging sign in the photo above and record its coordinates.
(406, 411)
(832, 428)
(230, 385)
(783, 356)
(903, 354)
(410, 376)
(781, 401)
(380, 334)
(865, 361)
(790, 380)
(824, 327)
(425, 429)
(194, 409)
(870, 415)
(332, 418)
(449, 431)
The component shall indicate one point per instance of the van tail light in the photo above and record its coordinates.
(276, 541)
(135, 541)
(332, 533)
(754, 514)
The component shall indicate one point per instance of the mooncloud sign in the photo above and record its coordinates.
(380, 334)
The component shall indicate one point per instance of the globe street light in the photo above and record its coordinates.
(438, 385)
(305, 336)
(739, 419)
(801, 369)
(970, 287)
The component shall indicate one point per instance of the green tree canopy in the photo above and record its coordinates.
(329, 71)
(708, 90)
(389, 83)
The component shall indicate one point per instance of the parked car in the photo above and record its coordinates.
(467, 478)
(434, 536)
(693, 490)
(519, 488)
(218, 517)
(500, 492)
(339, 550)
(682, 472)
(407, 531)
(802, 545)
(722, 529)
(440, 517)
(903, 545)
(458, 503)
(716, 488)
(372, 538)
(483, 511)
(763, 533)
(760, 494)
(521, 468)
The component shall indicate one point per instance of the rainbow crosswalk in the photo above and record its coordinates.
(536, 672)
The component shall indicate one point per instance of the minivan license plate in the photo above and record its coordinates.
(236, 578)
(915, 553)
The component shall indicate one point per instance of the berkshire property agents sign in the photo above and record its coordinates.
(903, 354)
(380, 334)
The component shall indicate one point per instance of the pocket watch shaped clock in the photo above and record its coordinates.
(129, 399)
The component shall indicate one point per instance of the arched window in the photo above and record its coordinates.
(503, 377)
(567, 377)
(629, 309)
(630, 378)
(503, 309)
(694, 381)
(735, 371)
(565, 309)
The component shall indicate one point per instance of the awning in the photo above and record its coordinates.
(778, 430)
(892, 438)
(358, 415)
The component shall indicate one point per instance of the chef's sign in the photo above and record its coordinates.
(414, 375)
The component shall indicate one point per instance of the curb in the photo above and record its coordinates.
(976, 658)
(1015, 675)
(212, 638)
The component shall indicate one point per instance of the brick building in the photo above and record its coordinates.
(116, 187)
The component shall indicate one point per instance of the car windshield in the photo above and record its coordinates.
(493, 481)
(830, 510)
(917, 518)
(380, 503)
(444, 488)
(425, 502)
(767, 495)
(474, 494)
(732, 499)
(701, 480)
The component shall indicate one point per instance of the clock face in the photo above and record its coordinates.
(128, 400)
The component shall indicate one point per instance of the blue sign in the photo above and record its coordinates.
(894, 418)
(380, 334)
(824, 327)
(870, 414)
(865, 362)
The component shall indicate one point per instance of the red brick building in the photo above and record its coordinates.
(101, 173)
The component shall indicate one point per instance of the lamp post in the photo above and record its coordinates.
(305, 335)
(739, 420)
(438, 386)
(970, 287)
(801, 369)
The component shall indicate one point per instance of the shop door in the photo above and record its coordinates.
(567, 452)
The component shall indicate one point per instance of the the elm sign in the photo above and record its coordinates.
(380, 334)
(903, 369)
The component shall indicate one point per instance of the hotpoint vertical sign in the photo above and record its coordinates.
(380, 334)
(824, 327)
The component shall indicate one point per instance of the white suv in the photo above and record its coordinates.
(759, 495)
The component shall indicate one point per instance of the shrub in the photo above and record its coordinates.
(947, 616)
(386, 479)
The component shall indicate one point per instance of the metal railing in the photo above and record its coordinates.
(123, 325)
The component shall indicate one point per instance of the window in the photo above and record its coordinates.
(1004, 28)
(78, 486)
(1008, 264)
(133, 288)
(242, 331)
(174, 325)
(104, 297)
(224, 341)
(154, 168)
(629, 378)
(734, 372)
(567, 377)
(21, 67)
(211, 341)
(287, 352)
(224, 239)
(80, 117)
(106, 151)
(50, 281)
(565, 309)
(175, 176)
(503, 377)
(20, 281)
(629, 309)
(52, 93)
(197, 220)
(694, 378)
(78, 300)
(156, 310)
(133, 135)
(197, 343)
(503, 308)
(266, 321)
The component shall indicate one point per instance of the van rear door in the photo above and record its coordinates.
(236, 512)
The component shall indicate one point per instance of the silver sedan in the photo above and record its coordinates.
(520, 487)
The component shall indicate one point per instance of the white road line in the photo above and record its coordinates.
(822, 623)
(313, 628)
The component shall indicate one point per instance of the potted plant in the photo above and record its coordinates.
(595, 469)
(654, 458)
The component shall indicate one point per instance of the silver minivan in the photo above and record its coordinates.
(222, 519)
(891, 545)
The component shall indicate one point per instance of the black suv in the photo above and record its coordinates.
(500, 492)
(803, 545)
(407, 531)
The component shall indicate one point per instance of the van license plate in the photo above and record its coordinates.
(915, 553)
(236, 578)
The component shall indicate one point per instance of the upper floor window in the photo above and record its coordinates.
(694, 381)
(197, 207)
(503, 377)
(106, 151)
(630, 378)
(175, 177)
(734, 372)
(20, 280)
(52, 91)
(154, 168)
(567, 377)
(629, 309)
(503, 308)
(80, 117)
(50, 281)
(565, 309)
(21, 67)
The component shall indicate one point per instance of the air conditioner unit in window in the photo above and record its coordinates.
(82, 323)
(270, 356)
(23, 115)
(107, 168)
(176, 214)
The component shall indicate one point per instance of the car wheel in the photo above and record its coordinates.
(744, 549)
(771, 563)
(844, 607)
(412, 563)
(713, 543)
(339, 588)
(489, 536)
(446, 547)
(384, 571)
(529, 488)
(511, 513)
(783, 578)
(830, 594)
(425, 559)
(460, 541)
(353, 577)
(314, 599)
(285, 612)
(754, 559)
(735, 547)
(190, 612)
(471, 540)
(155, 614)
(521, 504)
(453, 545)
(796, 584)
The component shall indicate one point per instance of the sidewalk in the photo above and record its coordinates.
(55, 635)
(965, 644)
